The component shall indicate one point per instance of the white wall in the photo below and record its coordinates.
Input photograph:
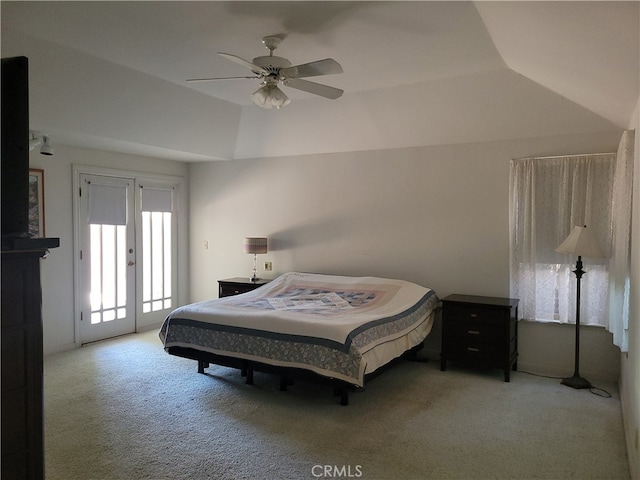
(630, 362)
(437, 216)
(57, 268)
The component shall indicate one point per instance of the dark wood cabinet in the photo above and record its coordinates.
(480, 331)
(21, 411)
(238, 285)
(22, 371)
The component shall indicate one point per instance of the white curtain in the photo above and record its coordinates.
(548, 197)
(619, 262)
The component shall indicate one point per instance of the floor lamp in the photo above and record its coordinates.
(582, 243)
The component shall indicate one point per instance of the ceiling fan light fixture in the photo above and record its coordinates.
(269, 96)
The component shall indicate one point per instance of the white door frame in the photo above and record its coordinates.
(139, 178)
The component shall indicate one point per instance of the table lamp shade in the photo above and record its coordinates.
(581, 242)
(255, 245)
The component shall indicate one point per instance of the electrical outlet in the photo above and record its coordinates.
(268, 266)
(205, 244)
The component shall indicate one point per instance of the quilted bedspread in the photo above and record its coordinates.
(322, 323)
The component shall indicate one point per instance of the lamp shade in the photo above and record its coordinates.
(255, 245)
(581, 242)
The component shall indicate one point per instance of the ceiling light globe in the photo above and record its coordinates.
(260, 97)
(277, 98)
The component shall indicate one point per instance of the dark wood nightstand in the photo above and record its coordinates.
(481, 331)
(238, 285)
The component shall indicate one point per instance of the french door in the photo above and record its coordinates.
(107, 257)
(126, 230)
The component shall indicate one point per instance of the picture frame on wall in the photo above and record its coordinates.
(36, 203)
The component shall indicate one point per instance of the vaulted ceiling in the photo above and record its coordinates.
(111, 75)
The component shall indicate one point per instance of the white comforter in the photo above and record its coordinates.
(324, 323)
(309, 304)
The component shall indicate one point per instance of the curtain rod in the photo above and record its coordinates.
(569, 156)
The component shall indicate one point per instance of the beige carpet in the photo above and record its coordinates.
(124, 409)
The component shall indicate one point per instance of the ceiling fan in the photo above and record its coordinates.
(272, 70)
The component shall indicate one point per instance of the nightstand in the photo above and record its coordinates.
(238, 285)
(480, 331)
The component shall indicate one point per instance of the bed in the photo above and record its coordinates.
(336, 328)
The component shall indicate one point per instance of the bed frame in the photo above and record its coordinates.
(287, 374)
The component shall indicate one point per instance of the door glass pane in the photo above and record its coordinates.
(121, 266)
(166, 241)
(156, 255)
(108, 266)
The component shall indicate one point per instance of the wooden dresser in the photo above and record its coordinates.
(480, 331)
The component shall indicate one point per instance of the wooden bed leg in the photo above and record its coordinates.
(249, 376)
(201, 366)
(341, 391)
(344, 396)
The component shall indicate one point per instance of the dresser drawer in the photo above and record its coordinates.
(476, 353)
(490, 333)
(474, 314)
(227, 290)
(236, 286)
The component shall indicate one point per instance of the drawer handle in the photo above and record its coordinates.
(473, 332)
(473, 315)
(472, 349)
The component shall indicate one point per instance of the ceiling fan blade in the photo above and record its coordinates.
(218, 78)
(315, 88)
(328, 66)
(254, 68)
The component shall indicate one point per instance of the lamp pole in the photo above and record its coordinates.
(577, 381)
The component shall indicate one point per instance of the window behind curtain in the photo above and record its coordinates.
(548, 197)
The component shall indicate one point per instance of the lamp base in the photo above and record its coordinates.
(577, 382)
